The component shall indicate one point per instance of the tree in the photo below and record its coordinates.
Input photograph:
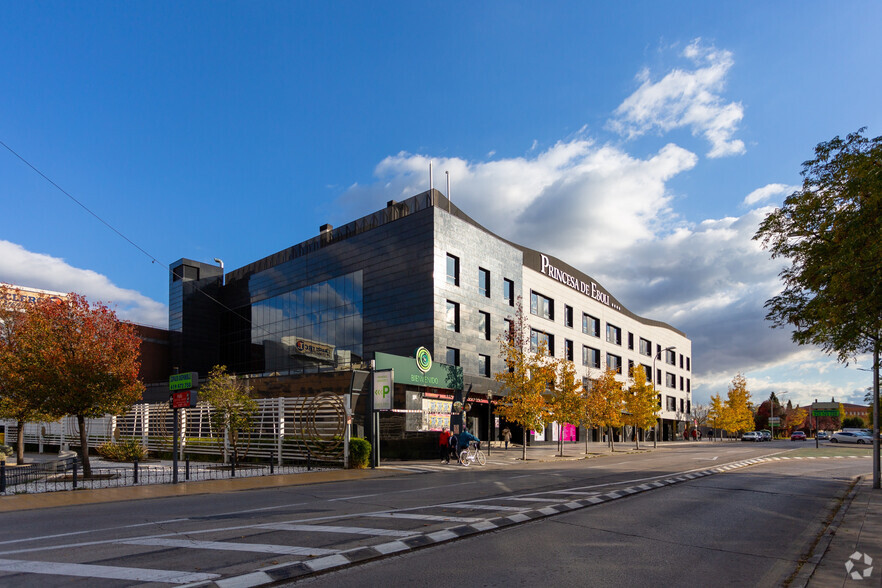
(737, 413)
(715, 415)
(89, 362)
(567, 403)
(853, 423)
(525, 378)
(700, 413)
(608, 398)
(233, 410)
(641, 403)
(22, 396)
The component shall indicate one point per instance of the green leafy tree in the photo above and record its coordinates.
(23, 398)
(525, 378)
(233, 410)
(641, 403)
(829, 231)
(567, 402)
(89, 361)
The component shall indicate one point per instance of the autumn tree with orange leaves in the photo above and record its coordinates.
(88, 361)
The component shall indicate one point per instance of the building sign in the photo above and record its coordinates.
(423, 359)
(30, 295)
(590, 289)
(309, 348)
(383, 389)
(439, 375)
(183, 381)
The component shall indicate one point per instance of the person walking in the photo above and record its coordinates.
(444, 445)
(506, 436)
(451, 448)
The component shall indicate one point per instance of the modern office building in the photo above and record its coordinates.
(417, 274)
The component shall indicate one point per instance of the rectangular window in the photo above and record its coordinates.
(681, 361)
(630, 367)
(541, 305)
(590, 325)
(681, 382)
(658, 373)
(648, 371)
(631, 341)
(484, 365)
(688, 407)
(586, 384)
(688, 386)
(484, 324)
(688, 366)
(614, 362)
(590, 357)
(484, 282)
(613, 334)
(508, 331)
(568, 349)
(508, 291)
(682, 405)
(539, 337)
(452, 356)
(452, 270)
(452, 316)
(568, 316)
(670, 380)
(672, 403)
(671, 357)
(645, 347)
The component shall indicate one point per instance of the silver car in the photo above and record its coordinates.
(752, 436)
(851, 437)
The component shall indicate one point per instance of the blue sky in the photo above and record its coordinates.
(641, 142)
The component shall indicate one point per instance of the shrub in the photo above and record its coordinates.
(359, 452)
(5, 451)
(122, 450)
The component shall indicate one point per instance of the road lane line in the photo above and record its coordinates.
(422, 517)
(334, 529)
(109, 572)
(228, 546)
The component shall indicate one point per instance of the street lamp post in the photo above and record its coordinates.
(652, 377)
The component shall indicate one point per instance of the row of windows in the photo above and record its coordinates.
(484, 288)
(453, 323)
(543, 306)
(452, 358)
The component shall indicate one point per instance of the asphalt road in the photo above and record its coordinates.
(668, 521)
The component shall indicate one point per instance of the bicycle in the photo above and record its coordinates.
(472, 454)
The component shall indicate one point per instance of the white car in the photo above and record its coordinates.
(752, 436)
(851, 437)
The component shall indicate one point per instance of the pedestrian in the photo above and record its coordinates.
(699, 435)
(694, 435)
(444, 445)
(506, 436)
(451, 448)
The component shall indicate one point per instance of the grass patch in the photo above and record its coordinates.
(828, 450)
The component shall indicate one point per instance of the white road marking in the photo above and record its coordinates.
(110, 572)
(422, 517)
(335, 529)
(228, 546)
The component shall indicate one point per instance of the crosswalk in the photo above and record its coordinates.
(245, 555)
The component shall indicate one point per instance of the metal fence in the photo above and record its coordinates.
(285, 429)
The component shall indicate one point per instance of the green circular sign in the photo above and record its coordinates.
(423, 359)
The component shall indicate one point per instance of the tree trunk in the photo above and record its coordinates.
(524, 456)
(612, 441)
(637, 437)
(84, 446)
(19, 444)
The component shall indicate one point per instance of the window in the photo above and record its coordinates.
(681, 383)
(657, 377)
(631, 341)
(508, 333)
(452, 270)
(590, 325)
(670, 380)
(590, 357)
(568, 316)
(648, 371)
(508, 291)
(484, 282)
(614, 362)
(671, 357)
(681, 361)
(645, 347)
(453, 316)
(688, 367)
(568, 349)
(613, 334)
(586, 384)
(452, 356)
(688, 406)
(484, 365)
(688, 386)
(630, 367)
(682, 405)
(484, 324)
(541, 305)
(539, 337)
(672, 403)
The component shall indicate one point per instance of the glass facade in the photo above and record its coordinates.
(307, 329)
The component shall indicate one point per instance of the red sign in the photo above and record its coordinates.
(184, 399)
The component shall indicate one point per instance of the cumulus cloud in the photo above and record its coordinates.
(686, 99)
(27, 269)
(768, 192)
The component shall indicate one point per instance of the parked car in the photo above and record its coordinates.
(797, 436)
(752, 436)
(850, 437)
(822, 436)
(767, 435)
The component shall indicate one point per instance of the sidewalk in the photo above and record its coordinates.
(854, 535)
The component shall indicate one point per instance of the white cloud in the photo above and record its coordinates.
(21, 267)
(767, 192)
(686, 99)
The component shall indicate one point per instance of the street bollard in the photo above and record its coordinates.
(308, 460)
(187, 469)
(135, 464)
(272, 461)
(233, 465)
(75, 474)
(2, 477)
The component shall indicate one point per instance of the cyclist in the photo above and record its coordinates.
(463, 440)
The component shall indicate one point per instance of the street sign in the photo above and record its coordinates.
(825, 413)
(184, 399)
(383, 389)
(183, 381)
(774, 420)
